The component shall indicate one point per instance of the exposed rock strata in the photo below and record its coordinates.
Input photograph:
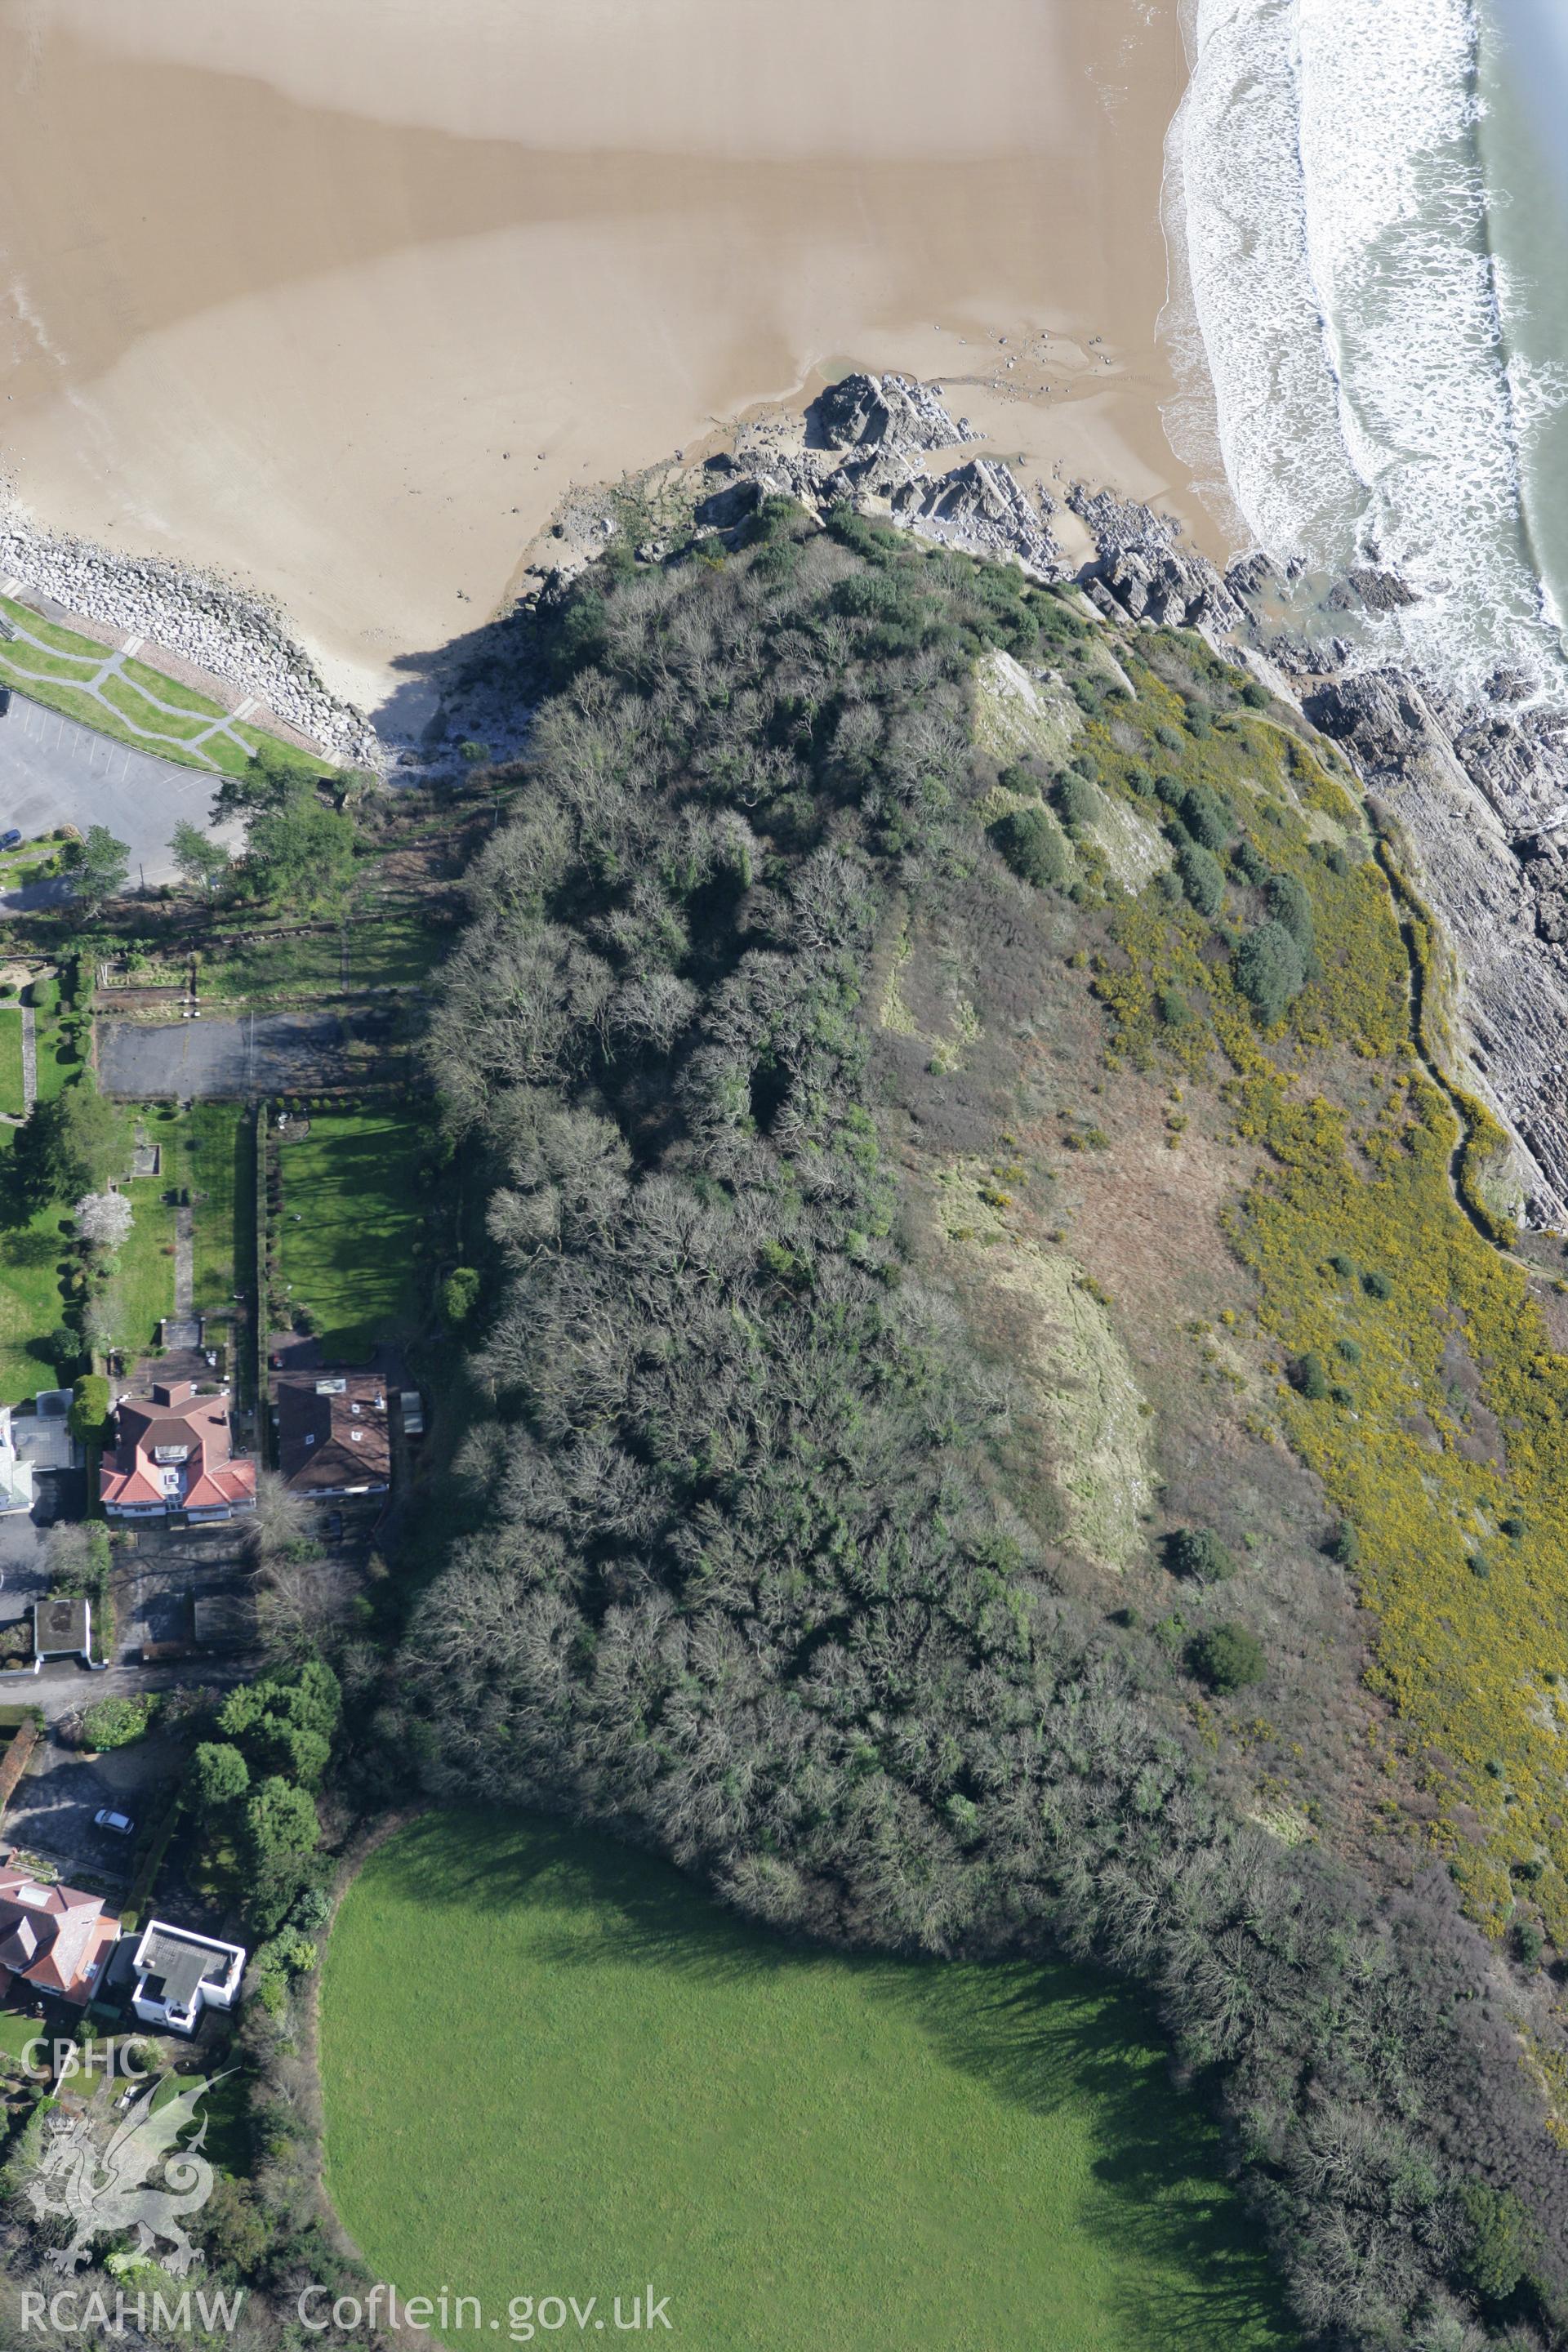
(983, 508)
(869, 439)
(863, 411)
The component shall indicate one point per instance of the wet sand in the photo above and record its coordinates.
(344, 299)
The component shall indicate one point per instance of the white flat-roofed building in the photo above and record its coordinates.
(179, 1974)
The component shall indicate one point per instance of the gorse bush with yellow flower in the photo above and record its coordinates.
(1375, 1277)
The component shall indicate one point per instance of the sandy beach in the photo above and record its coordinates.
(344, 300)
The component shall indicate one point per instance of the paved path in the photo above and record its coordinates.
(191, 729)
(29, 1058)
(53, 771)
(185, 1262)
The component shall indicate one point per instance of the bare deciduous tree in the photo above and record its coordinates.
(281, 1518)
(299, 1603)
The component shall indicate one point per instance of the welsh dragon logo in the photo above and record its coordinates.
(100, 2196)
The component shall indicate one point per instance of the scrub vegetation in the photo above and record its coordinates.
(848, 1093)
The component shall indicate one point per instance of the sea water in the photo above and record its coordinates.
(1365, 211)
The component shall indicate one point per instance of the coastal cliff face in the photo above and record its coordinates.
(1480, 796)
(1476, 802)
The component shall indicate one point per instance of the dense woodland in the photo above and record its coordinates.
(752, 1565)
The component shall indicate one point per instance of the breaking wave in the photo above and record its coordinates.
(1341, 320)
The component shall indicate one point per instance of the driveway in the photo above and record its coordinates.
(53, 771)
(51, 1812)
(23, 1578)
(255, 1054)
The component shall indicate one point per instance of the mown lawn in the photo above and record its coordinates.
(49, 633)
(304, 763)
(56, 678)
(33, 1252)
(215, 1158)
(72, 702)
(143, 1289)
(32, 1303)
(18, 2029)
(13, 1095)
(349, 1224)
(35, 1244)
(34, 662)
(132, 703)
(552, 2067)
(170, 689)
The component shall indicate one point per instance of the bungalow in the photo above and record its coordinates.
(53, 1941)
(62, 1628)
(333, 1436)
(179, 1974)
(175, 1456)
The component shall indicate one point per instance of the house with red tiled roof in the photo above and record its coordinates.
(52, 1940)
(174, 1455)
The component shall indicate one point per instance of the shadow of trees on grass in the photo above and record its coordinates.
(1041, 2036)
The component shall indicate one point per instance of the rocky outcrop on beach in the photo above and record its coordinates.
(1144, 571)
(864, 412)
(1481, 793)
(983, 508)
(224, 629)
(868, 441)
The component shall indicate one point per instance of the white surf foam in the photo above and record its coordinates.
(1328, 213)
(1236, 201)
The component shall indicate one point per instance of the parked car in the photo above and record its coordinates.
(11, 839)
(120, 1823)
(5, 700)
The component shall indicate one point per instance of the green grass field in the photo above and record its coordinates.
(553, 2067)
(143, 1289)
(304, 763)
(49, 633)
(58, 1059)
(32, 1304)
(72, 702)
(13, 1097)
(350, 1223)
(216, 1157)
(33, 661)
(132, 703)
(56, 678)
(36, 1247)
(290, 966)
(170, 689)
